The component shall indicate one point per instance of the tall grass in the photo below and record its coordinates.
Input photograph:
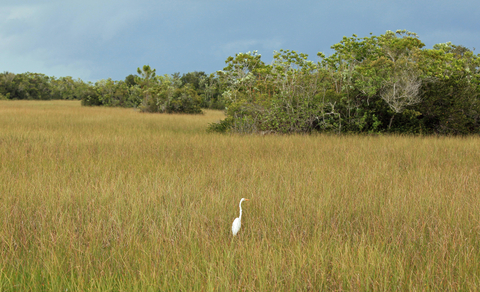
(109, 199)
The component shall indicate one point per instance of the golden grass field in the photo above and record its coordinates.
(110, 199)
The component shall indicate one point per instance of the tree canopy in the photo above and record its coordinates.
(376, 84)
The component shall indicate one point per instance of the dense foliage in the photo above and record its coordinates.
(145, 91)
(374, 84)
(39, 86)
(163, 94)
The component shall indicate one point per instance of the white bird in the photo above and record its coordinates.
(237, 223)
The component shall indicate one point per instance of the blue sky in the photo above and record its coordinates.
(98, 39)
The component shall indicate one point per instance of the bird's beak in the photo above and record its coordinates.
(247, 199)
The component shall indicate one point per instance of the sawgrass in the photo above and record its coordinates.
(109, 199)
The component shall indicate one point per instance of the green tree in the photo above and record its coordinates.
(146, 80)
(130, 80)
(386, 83)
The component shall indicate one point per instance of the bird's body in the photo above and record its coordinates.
(237, 223)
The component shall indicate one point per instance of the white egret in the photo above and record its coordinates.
(237, 223)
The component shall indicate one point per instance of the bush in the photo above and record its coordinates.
(385, 84)
(166, 99)
(222, 126)
(450, 106)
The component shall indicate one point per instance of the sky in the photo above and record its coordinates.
(100, 39)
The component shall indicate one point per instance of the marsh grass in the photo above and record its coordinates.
(109, 199)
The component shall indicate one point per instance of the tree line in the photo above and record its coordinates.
(41, 87)
(187, 93)
(377, 84)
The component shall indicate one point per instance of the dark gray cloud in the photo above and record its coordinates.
(100, 39)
